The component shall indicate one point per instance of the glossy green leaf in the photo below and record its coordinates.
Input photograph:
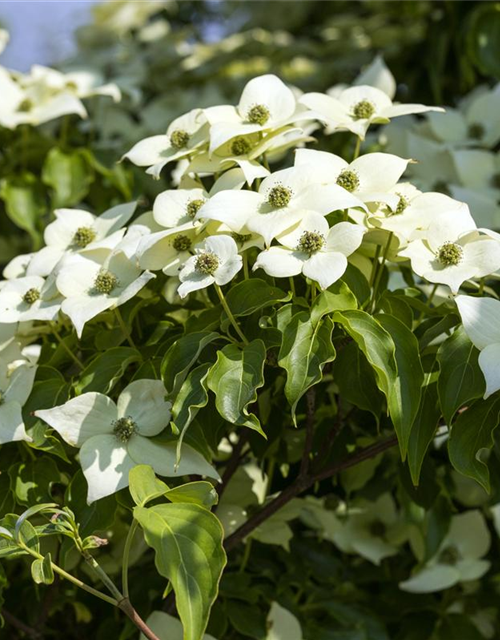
(254, 294)
(199, 492)
(461, 379)
(306, 348)
(187, 540)
(144, 486)
(181, 356)
(423, 429)
(25, 203)
(192, 396)
(472, 437)
(234, 379)
(337, 298)
(106, 370)
(41, 570)
(69, 175)
(31, 482)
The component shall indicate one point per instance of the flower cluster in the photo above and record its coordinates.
(45, 94)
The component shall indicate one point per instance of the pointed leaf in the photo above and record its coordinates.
(41, 570)
(181, 356)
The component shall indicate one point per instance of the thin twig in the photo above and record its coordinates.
(20, 625)
(301, 484)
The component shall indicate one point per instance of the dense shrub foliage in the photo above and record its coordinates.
(249, 337)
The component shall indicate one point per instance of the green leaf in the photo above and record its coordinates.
(32, 511)
(423, 429)
(41, 570)
(461, 379)
(144, 486)
(306, 348)
(199, 492)
(472, 436)
(234, 379)
(187, 540)
(104, 371)
(356, 380)
(192, 396)
(31, 481)
(25, 203)
(69, 175)
(181, 356)
(337, 298)
(91, 517)
(483, 39)
(252, 295)
(406, 393)
(6, 497)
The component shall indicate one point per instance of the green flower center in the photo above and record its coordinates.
(378, 529)
(348, 180)
(495, 180)
(31, 296)
(181, 243)
(258, 114)
(240, 146)
(207, 263)
(363, 110)
(450, 254)
(179, 139)
(84, 236)
(279, 196)
(72, 86)
(400, 207)
(105, 282)
(449, 556)
(311, 242)
(241, 238)
(26, 105)
(124, 428)
(476, 131)
(193, 207)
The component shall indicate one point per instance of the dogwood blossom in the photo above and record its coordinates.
(29, 298)
(168, 250)
(480, 319)
(459, 558)
(312, 248)
(176, 207)
(216, 260)
(184, 135)
(452, 251)
(114, 438)
(90, 287)
(356, 108)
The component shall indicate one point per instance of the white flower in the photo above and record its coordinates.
(266, 104)
(279, 204)
(458, 558)
(76, 230)
(177, 207)
(12, 97)
(477, 122)
(83, 83)
(15, 388)
(371, 177)
(29, 298)
(4, 39)
(356, 108)
(91, 287)
(452, 251)
(216, 260)
(114, 438)
(184, 136)
(480, 317)
(167, 250)
(478, 183)
(312, 248)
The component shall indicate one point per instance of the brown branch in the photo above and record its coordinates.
(301, 484)
(129, 610)
(21, 626)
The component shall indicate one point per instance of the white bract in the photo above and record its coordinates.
(90, 287)
(459, 558)
(176, 207)
(184, 135)
(168, 250)
(280, 203)
(452, 251)
(216, 260)
(114, 438)
(481, 320)
(29, 298)
(76, 230)
(356, 108)
(15, 387)
(312, 248)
